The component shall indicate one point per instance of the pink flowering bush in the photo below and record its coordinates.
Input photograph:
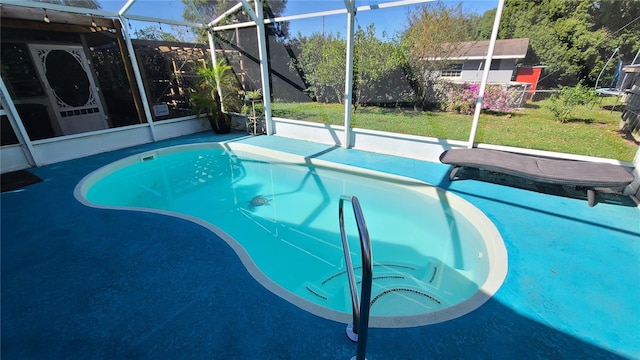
(462, 98)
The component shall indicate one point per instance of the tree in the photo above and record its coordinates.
(154, 32)
(322, 61)
(376, 63)
(572, 38)
(485, 25)
(563, 102)
(562, 37)
(434, 35)
(621, 21)
(208, 100)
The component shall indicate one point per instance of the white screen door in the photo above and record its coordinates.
(64, 70)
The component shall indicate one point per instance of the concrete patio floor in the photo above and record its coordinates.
(88, 283)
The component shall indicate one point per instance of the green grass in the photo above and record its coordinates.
(591, 131)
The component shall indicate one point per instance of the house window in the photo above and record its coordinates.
(452, 70)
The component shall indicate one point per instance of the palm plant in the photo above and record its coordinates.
(218, 91)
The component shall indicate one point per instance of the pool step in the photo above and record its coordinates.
(394, 285)
(392, 296)
(428, 274)
(407, 290)
(399, 288)
(316, 291)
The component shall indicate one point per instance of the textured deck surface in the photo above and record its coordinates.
(87, 283)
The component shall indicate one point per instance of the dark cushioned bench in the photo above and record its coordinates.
(564, 172)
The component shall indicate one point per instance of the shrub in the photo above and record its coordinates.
(497, 99)
(462, 98)
(564, 101)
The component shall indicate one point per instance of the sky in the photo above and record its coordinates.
(385, 20)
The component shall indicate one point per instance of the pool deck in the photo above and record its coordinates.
(88, 283)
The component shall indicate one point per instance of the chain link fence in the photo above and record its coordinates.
(539, 95)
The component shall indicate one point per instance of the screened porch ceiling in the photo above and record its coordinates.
(171, 11)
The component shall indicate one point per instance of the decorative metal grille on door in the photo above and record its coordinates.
(66, 74)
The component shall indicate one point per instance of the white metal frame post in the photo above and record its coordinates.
(348, 81)
(126, 7)
(10, 110)
(258, 17)
(485, 74)
(225, 14)
(214, 61)
(136, 73)
(212, 43)
(264, 66)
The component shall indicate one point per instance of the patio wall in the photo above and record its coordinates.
(410, 146)
(13, 158)
(49, 151)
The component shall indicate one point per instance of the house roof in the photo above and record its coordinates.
(504, 49)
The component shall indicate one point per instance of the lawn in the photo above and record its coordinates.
(592, 131)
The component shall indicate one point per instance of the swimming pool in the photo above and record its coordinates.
(436, 257)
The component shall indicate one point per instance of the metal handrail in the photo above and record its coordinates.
(357, 331)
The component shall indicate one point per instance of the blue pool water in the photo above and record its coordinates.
(436, 256)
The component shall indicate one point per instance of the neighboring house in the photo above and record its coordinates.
(466, 63)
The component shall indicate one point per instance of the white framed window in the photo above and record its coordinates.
(452, 70)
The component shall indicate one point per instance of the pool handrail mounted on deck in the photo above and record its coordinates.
(357, 331)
